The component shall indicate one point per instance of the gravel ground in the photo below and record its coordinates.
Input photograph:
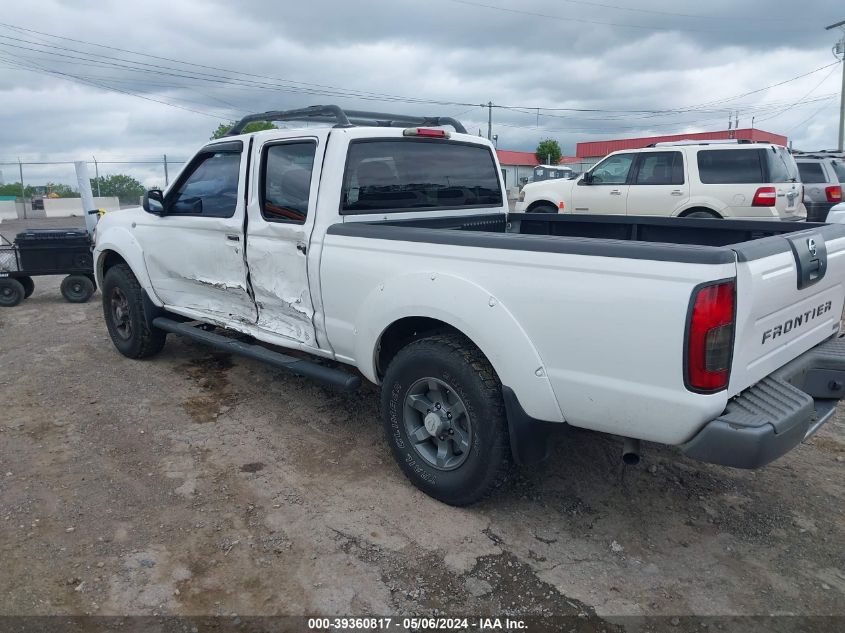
(196, 483)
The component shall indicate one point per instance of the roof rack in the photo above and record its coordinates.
(724, 141)
(820, 153)
(345, 118)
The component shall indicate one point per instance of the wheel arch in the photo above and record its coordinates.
(540, 203)
(697, 208)
(391, 317)
(118, 246)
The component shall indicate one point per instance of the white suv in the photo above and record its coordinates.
(718, 179)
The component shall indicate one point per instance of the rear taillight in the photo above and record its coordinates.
(833, 193)
(710, 335)
(426, 131)
(764, 197)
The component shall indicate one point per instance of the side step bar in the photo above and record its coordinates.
(328, 376)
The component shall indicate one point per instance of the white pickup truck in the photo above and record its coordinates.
(383, 243)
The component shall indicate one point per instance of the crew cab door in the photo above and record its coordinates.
(607, 191)
(658, 184)
(281, 217)
(194, 250)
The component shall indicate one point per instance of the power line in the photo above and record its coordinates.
(696, 16)
(144, 67)
(569, 18)
(789, 107)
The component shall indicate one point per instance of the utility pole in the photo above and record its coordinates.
(166, 180)
(97, 175)
(23, 189)
(839, 49)
(489, 120)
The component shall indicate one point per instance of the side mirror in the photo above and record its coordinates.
(587, 179)
(153, 202)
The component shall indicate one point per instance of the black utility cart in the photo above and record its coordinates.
(46, 252)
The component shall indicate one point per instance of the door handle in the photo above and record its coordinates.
(615, 192)
(677, 192)
(300, 246)
(232, 237)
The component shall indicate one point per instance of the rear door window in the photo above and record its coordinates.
(730, 166)
(395, 175)
(811, 173)
(286, 179)
(660, 168)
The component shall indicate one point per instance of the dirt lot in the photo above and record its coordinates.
(199, 483)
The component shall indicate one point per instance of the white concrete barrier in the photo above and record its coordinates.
(67, 207)
(8, 210)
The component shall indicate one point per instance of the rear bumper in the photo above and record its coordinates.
(778, 413)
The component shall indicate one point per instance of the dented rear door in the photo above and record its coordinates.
(281, 217)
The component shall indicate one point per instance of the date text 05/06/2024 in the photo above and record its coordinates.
(417, 624)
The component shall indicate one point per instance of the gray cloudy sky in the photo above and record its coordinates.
(69, 100)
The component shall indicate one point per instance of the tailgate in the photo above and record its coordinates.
(789, 298)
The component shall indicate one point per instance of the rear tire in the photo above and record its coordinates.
(11, 292)
(28, 286)
(444, 419)
(123, 309)
(702, 214)
(77, 288)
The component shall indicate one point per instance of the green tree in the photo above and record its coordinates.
(124, 187)
(255, 126)
(10, 189)
(57, 189)
(548, 152)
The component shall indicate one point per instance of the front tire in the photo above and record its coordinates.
(123, 309)
(544, 208)
(444, 419)
(11, 292)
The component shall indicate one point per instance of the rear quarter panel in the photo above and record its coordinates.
(605, 333)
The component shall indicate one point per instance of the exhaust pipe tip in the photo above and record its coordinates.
(630, 451)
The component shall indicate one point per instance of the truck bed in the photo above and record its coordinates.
(635, 237)
(606, 299)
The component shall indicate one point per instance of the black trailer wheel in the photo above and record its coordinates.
(77, 288)
(444, 419)
(123, 308)
(28, 286)
(11, 292)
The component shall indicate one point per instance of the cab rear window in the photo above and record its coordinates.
(396, 175)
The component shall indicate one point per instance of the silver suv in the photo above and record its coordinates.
(823, 174)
